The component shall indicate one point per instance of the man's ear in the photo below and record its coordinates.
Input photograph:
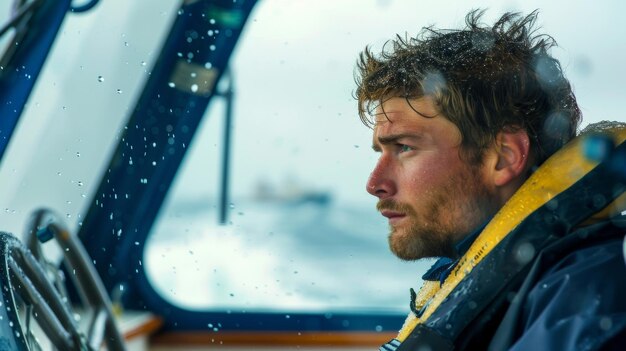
(512, 149)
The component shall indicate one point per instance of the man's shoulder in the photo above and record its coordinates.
(587, 253)
(590, 259)
(579, 301)
(581, 273)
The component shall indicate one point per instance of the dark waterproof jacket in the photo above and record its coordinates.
(547, 273)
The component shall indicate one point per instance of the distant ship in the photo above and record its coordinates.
(291, 192)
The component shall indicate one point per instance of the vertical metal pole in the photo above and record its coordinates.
(224, 203)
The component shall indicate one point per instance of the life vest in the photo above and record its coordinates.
(581, 184)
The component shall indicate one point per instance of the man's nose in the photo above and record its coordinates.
(380, 183)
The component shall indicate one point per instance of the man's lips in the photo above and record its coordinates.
(392, 215)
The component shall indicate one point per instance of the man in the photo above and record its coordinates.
(530, 251)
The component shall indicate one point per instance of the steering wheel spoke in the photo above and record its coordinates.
(37, 292)
(34, 298)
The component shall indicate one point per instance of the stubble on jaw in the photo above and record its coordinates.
(422, 237)
(447, 216)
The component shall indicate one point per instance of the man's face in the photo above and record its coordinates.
(431, 196)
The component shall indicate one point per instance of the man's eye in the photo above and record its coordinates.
(405, 148)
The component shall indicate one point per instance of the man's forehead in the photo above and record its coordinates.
(382, 117)
(395, 119)
(397, 124)
(400, 108)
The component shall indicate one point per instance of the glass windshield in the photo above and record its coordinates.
(75, 114)
(301, 234)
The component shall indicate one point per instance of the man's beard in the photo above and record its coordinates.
(446, 215)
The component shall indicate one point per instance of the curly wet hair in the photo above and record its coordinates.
(484, 79)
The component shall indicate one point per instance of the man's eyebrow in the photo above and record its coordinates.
(393, 138)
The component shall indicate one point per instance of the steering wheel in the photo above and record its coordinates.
(33, 288)
(27, 294)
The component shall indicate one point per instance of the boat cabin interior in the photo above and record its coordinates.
(190, 174)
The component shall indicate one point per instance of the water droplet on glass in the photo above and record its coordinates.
(597, 147)
(80, 183)
(525, 253)
(606, 323)
(119, 91)
(379, 328)
(100, 79)
(194, 88)
(171, 84)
